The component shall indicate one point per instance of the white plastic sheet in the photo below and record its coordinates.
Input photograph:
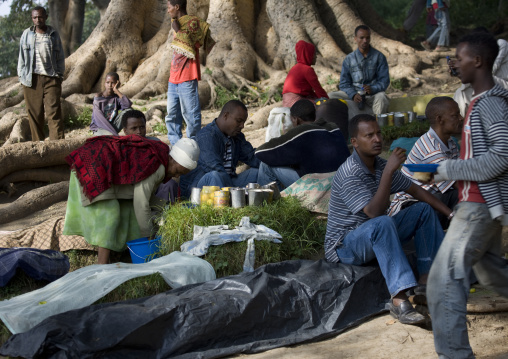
(86, 285)
(279, 122)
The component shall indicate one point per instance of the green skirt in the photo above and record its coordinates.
(108, 224)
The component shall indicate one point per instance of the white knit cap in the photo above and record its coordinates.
(186, 153)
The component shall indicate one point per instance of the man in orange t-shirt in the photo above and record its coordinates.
(183, 98)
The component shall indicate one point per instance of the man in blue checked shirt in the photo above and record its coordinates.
(365, 68)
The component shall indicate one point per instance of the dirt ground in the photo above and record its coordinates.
(381, 336)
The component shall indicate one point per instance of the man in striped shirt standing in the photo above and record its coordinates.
(473, 240)
(359, 230)
(433, 147)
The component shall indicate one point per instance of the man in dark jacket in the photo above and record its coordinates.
(311, 147)
(222, 145)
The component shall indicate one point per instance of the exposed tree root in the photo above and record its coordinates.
(34, 201)
(51, 174)
(28, 155)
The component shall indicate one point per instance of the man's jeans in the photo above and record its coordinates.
(442, 33)
(285, 176)
(382, 238)
(473, 240)
(222, 179)
(183, 102)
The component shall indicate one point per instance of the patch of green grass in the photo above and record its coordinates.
(161, 128)
(302, 234)
(331, 81)
(223, 96)
(208, 71)
(83, 120)
(413, 129)
(13, 93)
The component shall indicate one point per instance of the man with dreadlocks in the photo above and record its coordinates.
(311, 147)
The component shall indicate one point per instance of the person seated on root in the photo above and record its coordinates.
(464, 93)
(134, 123)
(222, 145)
(358, 229)
(301, 81)
(335, 111)
(365, 68)
(310, 147)
(107, 106)
(111, 187)
(433, 147)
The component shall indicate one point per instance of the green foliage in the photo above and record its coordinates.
(161, 128)
(83, 120)
(223, 96)
(302, 234)
(11, 28)
(208, 71)
(331, 81)
(464, 14)
(92, 17)
(413, 129)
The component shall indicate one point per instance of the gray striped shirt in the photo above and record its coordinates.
(42, 64)
(353, 188)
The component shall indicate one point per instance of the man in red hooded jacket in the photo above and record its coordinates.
(302, 81)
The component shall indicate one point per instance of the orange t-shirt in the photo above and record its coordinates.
(184, 69)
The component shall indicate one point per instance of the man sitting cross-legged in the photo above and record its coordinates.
(222, 145)
(358, 229)
(312, 146)
(433, 147)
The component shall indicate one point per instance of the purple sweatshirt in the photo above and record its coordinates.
(105, 109)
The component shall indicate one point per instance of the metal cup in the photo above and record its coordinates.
(268, 195)
(195, 196)
(237, 197)
(253, 186)
(382, 120)
(275, 188)
(411, 116)
(256, 197)
(398, 119)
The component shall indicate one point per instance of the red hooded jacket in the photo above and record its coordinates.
(302, 79)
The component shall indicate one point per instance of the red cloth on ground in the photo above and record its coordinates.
(112, 160)
(302, 78)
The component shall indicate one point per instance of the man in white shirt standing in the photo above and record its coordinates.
(41, 67)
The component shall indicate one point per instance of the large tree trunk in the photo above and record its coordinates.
(68, 17)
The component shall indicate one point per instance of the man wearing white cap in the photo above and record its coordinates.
(109, 170)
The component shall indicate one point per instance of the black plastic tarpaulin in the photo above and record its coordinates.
(277, 305)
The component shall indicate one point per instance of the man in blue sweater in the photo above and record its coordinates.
(310, 147)
(473, 240)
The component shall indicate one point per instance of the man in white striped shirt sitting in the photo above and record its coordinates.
(358, 229)
(433, 147)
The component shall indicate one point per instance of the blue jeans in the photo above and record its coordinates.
(222, 179)
(285, 176)
(473, 240)
(183, 102)
(442, 33)
(382, 238)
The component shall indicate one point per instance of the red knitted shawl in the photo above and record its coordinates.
(111, 160)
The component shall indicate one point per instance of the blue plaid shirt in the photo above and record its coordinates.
(358, 71)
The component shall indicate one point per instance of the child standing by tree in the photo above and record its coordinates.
(107, 106)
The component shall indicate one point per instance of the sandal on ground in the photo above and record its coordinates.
(405, 313)
(420, 289)
(441, 49)
(426, 45)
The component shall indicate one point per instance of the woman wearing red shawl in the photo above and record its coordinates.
(302, 81)
(112, 187)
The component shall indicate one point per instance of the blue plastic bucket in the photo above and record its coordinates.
(142, 250)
